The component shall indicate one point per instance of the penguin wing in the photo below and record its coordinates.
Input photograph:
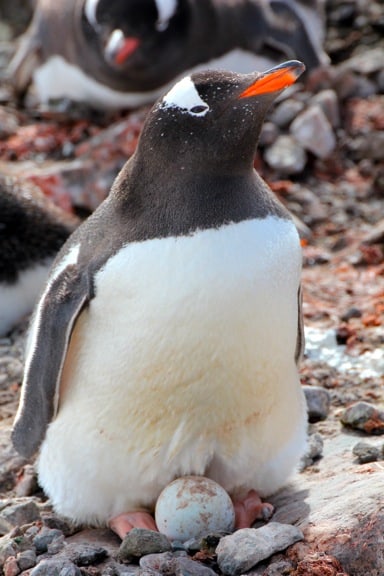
(300, 339)
(26, 59)
(67, 293)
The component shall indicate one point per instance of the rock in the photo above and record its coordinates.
(27, 483)
(8, 123)
(242, 550)
(328, 102)
(319, 565)
(56, 567)
(86, 554)
(44, 538)
(287, 111)
(139, 542)
(8, 548)
(269, 133)
(313, 132)
(163, 562)
(185, 566)
(26, 559)
(116, 569)
(364, 416)
(280, 568)
(314, 451)
(17, 513)
(367, 62)
(286, 155)
(10, 461)
(365, 452)
(318, 402)
(57, 523)
(168, 563)
(11, 567)
(339, 509)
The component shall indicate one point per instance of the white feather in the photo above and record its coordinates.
(185, 97)
(165, 10)
(183, 363)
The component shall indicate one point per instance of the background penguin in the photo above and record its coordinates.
(32, 230)
(122, 53)
(167, 338)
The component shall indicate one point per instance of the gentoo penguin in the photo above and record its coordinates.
(122, 53)
(32, 230)
(167, 338)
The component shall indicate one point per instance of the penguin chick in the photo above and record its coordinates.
(123, 53)
(167, 338)
(32, 230)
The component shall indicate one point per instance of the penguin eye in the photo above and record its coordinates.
(198, 109)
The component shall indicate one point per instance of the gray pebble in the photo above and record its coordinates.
(269, 133)
(164, 562)
(318, 402)
(26, 559)
(314, 451)
(116, 569)
(247, 547)
(313, 132)
(87, 554)
(380, 80)
(193, 545)
(55, 567)
(287, 111)
(44, 538)
(139, 542)
(364, 416)
(168, 563)
(18, 514)
(8, 547)
(59, 524)
(185, 566)
(56, 545)
(286, 155)
(328, 102)
(365, 452)
(280, 568)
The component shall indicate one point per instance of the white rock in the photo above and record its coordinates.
(247, 547)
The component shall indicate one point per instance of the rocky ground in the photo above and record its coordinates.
(322, 151)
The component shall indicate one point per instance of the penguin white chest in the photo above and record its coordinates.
(185, 321)
(179, 364)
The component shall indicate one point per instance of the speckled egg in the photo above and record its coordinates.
(192, 507)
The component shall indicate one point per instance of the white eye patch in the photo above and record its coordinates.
(165, 10)
(90, 12)
(184, 95)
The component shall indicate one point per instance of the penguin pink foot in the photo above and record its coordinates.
(251, 508)
(123, 523)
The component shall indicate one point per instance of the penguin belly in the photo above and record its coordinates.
(183, 363)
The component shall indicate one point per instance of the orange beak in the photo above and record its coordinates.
(275, 79)
(128, 47)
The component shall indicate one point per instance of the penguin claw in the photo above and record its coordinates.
(124, 523)
(251, 508)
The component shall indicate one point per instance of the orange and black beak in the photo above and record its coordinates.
(275, 79)
(120, 47)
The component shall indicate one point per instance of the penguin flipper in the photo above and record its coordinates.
(63, 300)
(24, 62)
(300, 338)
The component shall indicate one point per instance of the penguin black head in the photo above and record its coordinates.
(127, 29)
(211, 120)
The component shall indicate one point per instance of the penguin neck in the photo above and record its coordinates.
(171, 203)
